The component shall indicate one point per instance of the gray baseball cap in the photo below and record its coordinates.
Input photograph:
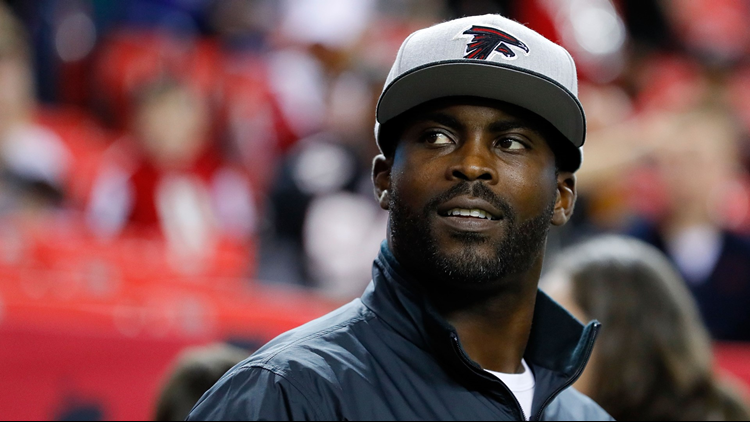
(489, 57)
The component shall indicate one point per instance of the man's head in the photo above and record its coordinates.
(473, 179)
(472, 186)
(705, 138)
(172, 123)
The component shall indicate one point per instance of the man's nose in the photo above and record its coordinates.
(473, 161)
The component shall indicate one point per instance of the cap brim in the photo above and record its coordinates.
(490, 80)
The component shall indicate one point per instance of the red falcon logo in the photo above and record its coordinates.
(486, 40)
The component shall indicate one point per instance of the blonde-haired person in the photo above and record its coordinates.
(653, 360)
(16, 83)
(35, 164)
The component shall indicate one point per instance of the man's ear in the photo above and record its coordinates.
(566, 198)
(381, 178)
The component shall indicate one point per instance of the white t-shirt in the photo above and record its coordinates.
(522, 386)
(696, 251)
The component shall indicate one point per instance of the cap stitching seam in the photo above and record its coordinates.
(401, 54)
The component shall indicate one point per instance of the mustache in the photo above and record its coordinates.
(477, 190)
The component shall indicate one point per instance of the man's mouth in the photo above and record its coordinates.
(471, 213)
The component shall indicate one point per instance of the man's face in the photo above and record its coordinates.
(173, 128)
(473, 189)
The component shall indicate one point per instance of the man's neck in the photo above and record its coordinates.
(494, 327)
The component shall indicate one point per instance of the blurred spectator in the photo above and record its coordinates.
(696, 160)
(335, 24)
(244, 24)
(653, 359)
(171, 176)
(325, 219)
(194, 372)
(34, 163)
(613, 147)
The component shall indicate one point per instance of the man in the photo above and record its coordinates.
(480, 131)
(714, 261)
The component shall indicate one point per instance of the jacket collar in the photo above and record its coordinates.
(558, 349)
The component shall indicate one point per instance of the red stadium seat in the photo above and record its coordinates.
(104, 320)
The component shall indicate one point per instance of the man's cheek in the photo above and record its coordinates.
(532, 199)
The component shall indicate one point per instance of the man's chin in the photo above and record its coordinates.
(473, 247)
(469, 267)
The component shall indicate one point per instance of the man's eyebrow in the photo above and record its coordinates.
(508, 125)
(441, 119)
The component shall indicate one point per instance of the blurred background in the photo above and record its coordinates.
(175, 173)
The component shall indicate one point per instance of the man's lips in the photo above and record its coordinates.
(470, 214)
(466, 207)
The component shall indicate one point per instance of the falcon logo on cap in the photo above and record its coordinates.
(487, 40)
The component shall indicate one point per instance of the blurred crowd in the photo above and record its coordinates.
(251, 122)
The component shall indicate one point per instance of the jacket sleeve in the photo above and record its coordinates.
(255, 394)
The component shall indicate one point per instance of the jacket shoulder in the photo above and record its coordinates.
(249, 393)
(316, 345)
(571, 405)
(293, 377)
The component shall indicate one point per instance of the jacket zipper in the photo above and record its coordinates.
(576, 375)
(465, 361)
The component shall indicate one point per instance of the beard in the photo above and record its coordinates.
(416, 246)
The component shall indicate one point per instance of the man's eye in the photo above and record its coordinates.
(511, 144)
(437, 138)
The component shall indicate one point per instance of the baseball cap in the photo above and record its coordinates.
(490, 57)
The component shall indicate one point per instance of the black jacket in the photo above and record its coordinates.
(724, 297)
(389, 356)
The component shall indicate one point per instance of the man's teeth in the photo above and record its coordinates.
(462, 212)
